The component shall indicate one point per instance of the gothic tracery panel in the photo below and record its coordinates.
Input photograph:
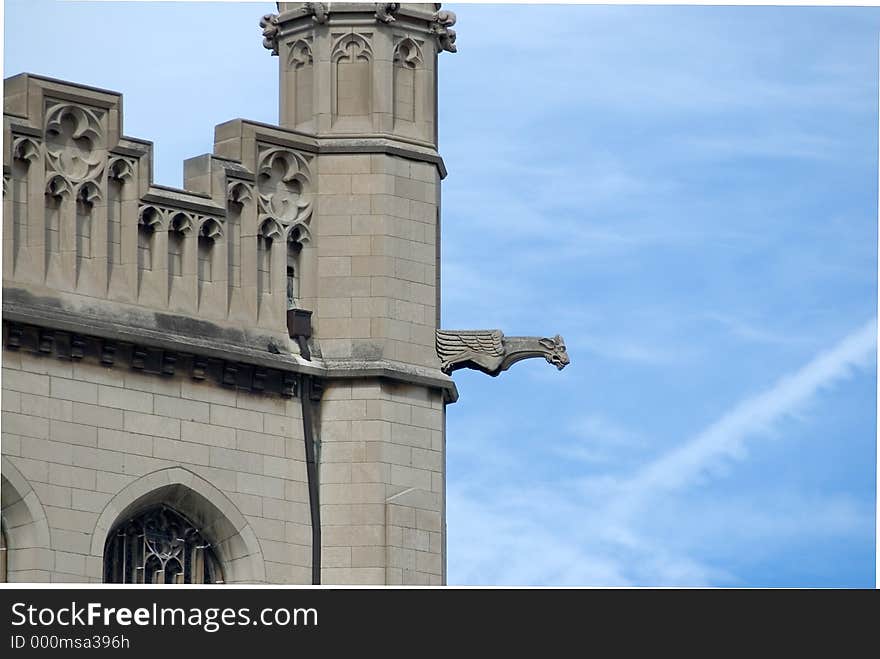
(159, 546)
(74, 136)
(25, 152)
(407, 61)
(301, 67)
(120, 174)
(209, 234)
(284, 186)
(87, 195)
(149, 221)
(352, 66)
(270, 231)
(237, 195)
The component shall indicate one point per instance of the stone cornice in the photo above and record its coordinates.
(187, 337)
(338, 144)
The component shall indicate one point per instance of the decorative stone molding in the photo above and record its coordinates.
(271, 230)
(210, 228)
(25, 148)
(158, 218)
(441, 26)
(192, 495)
(407, 54)
(181, 223)
(152, 217)
(385, 11)
(239, 192)
(351, 46)
(89, 192)
(491, 352)
(121, 169)
(150, 360)
(300, 54)
(284, 190)
(58, 186)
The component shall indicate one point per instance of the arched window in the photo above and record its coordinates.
(159, 546)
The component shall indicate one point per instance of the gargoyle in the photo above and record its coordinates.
(491, 352)
(385, 11)
(442, 27)
(318, 10)
(269, 23)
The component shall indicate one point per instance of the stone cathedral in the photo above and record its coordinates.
(242, 380)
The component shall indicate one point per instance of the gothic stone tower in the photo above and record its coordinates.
(237, 380)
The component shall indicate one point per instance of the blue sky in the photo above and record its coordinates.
(687, 194)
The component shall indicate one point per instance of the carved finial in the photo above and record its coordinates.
(491, 352)
(441, 26)
(269, 23)
(385, 11)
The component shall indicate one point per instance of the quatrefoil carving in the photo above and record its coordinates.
(284, 187)
(73, 140)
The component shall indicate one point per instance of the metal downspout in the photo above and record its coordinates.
(310, 396)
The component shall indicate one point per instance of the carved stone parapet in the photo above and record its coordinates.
(491, 352)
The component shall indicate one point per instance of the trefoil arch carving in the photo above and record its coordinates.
(351, 47)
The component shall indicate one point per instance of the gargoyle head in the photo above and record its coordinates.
(269, 23)
(556, 353)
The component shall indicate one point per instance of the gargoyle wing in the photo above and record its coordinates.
(451, 343)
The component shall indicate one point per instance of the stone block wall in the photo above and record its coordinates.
(90, 440)
(382, 484)
(377, 295)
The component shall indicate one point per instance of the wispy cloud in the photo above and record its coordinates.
(754, 332)
(599, 440)
(610, 531)
(752, 418)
